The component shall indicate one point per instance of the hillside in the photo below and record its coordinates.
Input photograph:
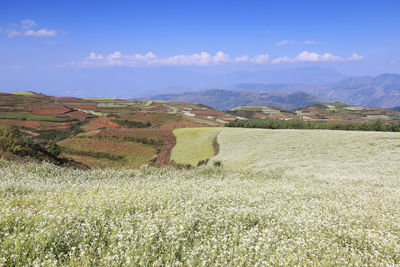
(330, 112)
(228, 99)
(105, 132)
(337, 111)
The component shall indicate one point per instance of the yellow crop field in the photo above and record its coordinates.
(193, 145)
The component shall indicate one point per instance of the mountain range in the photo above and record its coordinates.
(381, 91)
(228, 99)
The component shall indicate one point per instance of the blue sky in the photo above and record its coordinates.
(49, 44)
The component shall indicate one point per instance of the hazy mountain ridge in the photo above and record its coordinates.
(380, 91)
(227, 99)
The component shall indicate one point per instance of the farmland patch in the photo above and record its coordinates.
(193, 145)
(319, 153)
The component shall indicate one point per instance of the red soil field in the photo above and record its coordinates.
(50, 111)
(79, 115)
(227, 118)
(39, 125)
(165, 135)
(258, 115)
(310, 108)
(97, 123)
(29, 132)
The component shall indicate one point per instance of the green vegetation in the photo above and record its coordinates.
(205, 216)
(193, 145)
(18, 146)
(33, 117)
(377, 125)
(132, 124)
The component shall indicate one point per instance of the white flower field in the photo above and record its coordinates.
(204, 216)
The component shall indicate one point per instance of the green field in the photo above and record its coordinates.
(193, 145)
(319, 153)
(33, 117)
(204, 216)
(264, 109)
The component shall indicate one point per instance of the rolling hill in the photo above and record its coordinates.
(331, 112)
(103, 132)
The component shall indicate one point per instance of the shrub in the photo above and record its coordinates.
(11, 140)
(132, 124)
(53, 149)
(202, 162)
(217, 163)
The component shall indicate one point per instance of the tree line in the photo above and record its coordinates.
(267, 123)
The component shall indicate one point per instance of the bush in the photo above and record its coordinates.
(217, 163)
(54, 149)
(202, 162)
(11, 140)
(132, 124)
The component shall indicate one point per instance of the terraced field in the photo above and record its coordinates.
(53, 119)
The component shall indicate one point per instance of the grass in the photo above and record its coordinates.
(27, 93)
(193, 145)
(322, 153)
(23, 116)
(104, 154)
(204, 216)
(264, 109)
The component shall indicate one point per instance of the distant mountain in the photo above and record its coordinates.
(380, 91)
(396, 108)
(310, 75)
(228, 99)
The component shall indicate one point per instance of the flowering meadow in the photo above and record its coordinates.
(204, 216)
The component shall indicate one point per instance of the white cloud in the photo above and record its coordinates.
(242, 59)
(201, 59)
(150, 59)
(40, 33)
(269, 32)
(26, 29)
(356, 57)
(260, 59)
(27, 24)
(310, 42)
(284, 42)
(221, 57)
(314, 57)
